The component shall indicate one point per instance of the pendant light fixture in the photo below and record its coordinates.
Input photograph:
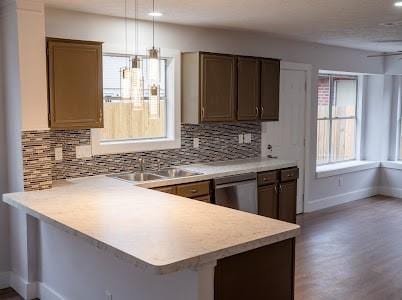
(154, 74)
(137, 79)
(125, 78)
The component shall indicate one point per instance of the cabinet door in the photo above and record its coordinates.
(75, 84)
(217, 88)
(248, 89)
(270, 74)
(268, 201)
(265, 273)
(287, 201)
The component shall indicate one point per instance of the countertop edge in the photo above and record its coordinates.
(202, 177)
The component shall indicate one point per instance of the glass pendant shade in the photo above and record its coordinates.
(137, 84)
(125, 83)
(154, 79)
(154, 105)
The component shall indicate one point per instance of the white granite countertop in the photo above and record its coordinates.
(156, 231)
(221, 169)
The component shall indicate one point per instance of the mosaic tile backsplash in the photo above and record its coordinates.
(218, 142)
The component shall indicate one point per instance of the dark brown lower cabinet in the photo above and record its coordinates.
(287, 201)
(268, 201)
(260, 274)
(277, 194)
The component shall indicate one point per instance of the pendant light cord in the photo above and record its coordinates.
(153, 24)
(136, 27)
(125, 26)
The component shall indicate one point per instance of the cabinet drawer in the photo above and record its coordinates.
(289, 174)
(167, 189)
(192, 190)
(267, 178)
(203, 199)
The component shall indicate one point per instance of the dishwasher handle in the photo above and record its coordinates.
(234, 179)
(225, 185)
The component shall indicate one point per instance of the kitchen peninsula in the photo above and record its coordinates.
(110, 239)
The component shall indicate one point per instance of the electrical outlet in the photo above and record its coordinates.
(58, 154)
(83, 151)
(108, 295)
(196, 143)
(247, 138)
(241, 138)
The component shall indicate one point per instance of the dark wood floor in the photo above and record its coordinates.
(9, 294)
(351, 251)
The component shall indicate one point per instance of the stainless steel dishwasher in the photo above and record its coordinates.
(238, 192)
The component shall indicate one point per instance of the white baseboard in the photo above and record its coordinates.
(27, 290)
(390, 191)
(46, 293)
(339, 199)
(4, 280)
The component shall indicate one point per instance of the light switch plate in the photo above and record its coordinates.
(58, 154)
(83, 151)
(247, 138)
(241, 138)
(196, 143)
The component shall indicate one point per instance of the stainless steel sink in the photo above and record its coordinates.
(148, 176)
(137, 176)
(176, 173)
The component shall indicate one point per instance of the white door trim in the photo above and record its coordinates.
(307, 134)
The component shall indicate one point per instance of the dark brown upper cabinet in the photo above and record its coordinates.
(228, 88)
(75, 84)
(248, 89)
(270, 76)
(208, 87)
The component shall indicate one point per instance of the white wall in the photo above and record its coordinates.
(73, 269)
(4, 228)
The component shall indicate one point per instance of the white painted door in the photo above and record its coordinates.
(287, 136)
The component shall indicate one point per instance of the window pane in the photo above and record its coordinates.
(323, 96)
(322, 141)
(121, 121)
(343, 139)
(345, 96)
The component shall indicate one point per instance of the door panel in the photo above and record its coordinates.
(287, 135)
(268, 201)
(287, 201)
(270, 72)
(248, 84)
(217, 88)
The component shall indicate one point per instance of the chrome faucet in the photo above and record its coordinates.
(142, 164)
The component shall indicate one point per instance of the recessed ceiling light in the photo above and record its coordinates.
(159, 14)
(398, 4)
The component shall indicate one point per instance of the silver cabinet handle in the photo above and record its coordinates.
(194, 191)
(262, 111)
(202, 112)
(276, 188)
(280, 188)
(257, 111)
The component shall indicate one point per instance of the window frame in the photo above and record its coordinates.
(330, 117)
(173, 116)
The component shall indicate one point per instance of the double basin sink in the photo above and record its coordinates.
(161, 174)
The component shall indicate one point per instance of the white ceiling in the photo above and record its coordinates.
(349, 23)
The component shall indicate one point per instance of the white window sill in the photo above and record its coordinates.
(344, 168)
(392, 165)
